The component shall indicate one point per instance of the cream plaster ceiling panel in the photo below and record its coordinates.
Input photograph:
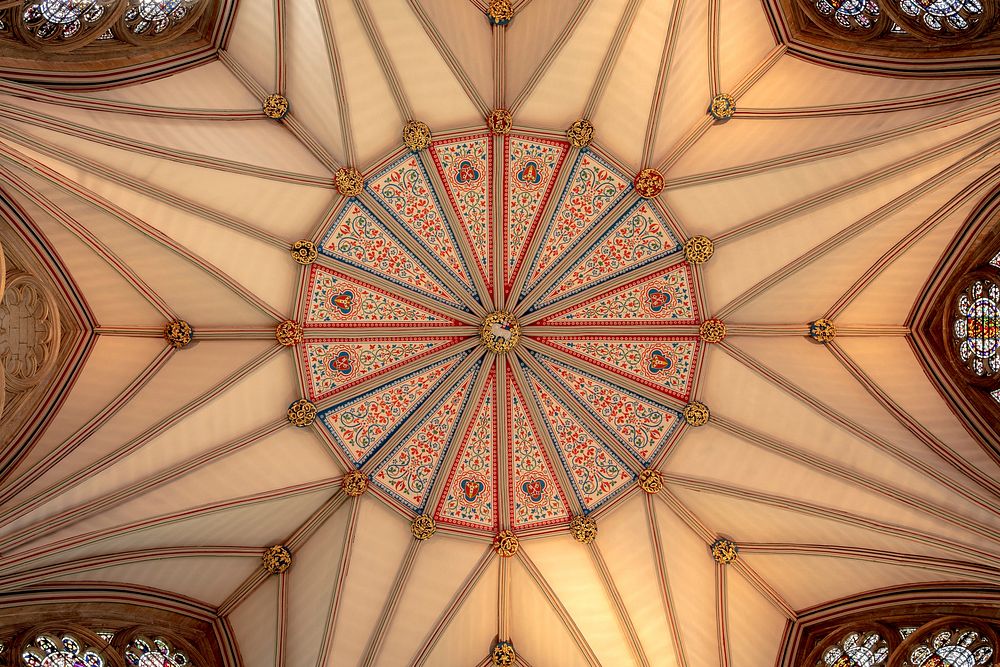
(826, 464)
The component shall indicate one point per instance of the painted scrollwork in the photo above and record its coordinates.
(65, 25)
(29, 332)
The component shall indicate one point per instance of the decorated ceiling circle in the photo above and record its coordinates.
(559, 322)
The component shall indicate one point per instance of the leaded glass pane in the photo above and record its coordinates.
(976, 328)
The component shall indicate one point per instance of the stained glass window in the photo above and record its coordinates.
(48, 650)
(60, 20)
(850, 14)
(142, 652)
(951, 647)
(856, 649)
(996, 395)
(977, 327)
(153, 17)
(939, 14)
(996, 261)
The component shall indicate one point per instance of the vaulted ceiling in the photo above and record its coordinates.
(836, 468)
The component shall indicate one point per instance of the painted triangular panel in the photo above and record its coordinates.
(357, 238)
(466, 169)
(361, 425)
(336, 300)
(470, 494)
(639, 236)
(596, 472)
(531, 168)
(333, 364)
(404, 189)
(593, 189)
(666, 297)
(408, 474)
(642, 425)
(665, 363)
(536, 497)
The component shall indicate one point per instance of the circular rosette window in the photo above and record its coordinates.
(976, 328)
(493, 367)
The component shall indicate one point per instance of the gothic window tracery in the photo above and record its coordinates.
(67, 25)
(926, 20)
(856, 648)
(51, 650)
(906, 641)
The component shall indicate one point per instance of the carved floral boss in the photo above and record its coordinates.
(479, 416)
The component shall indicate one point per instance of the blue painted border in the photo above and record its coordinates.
(321, 417)
(562, 198)
(677, 247)
(444, 452)
(562, 458)
(541, 358)
(457, 303)
(444, 219)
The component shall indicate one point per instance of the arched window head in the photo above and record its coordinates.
(977, 327)
(949, 645)
(944, 14)
(61, 25)
(856, 648)
(51, 650)
(144, 652)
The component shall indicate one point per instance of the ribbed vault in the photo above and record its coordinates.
(835, 467)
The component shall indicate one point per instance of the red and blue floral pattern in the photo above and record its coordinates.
(409, 472)
(466, 169)
(665, 363)
(596, 473)
(471, 490)
(536, 497)
(403, 188)
(359, 239)
(531, 437)
(337, 363)
(642, 425)
(336, 300)
(664, 298)
(532, 165)
(361, 425)
(593, 189)
(639, 237)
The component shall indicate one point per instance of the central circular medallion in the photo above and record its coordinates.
(500, 331)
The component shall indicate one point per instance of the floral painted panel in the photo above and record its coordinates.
(640, 236)
(531, 170)
(357, 238)
(536, 497)
(403, 188)
(593, 188)
(641, 424)
(666, 297)
(408, 474)
(596, 473)
(333, 364)
(336, 300)
(466, 169)
(665, 363)
(470, 494)
(361, 425)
